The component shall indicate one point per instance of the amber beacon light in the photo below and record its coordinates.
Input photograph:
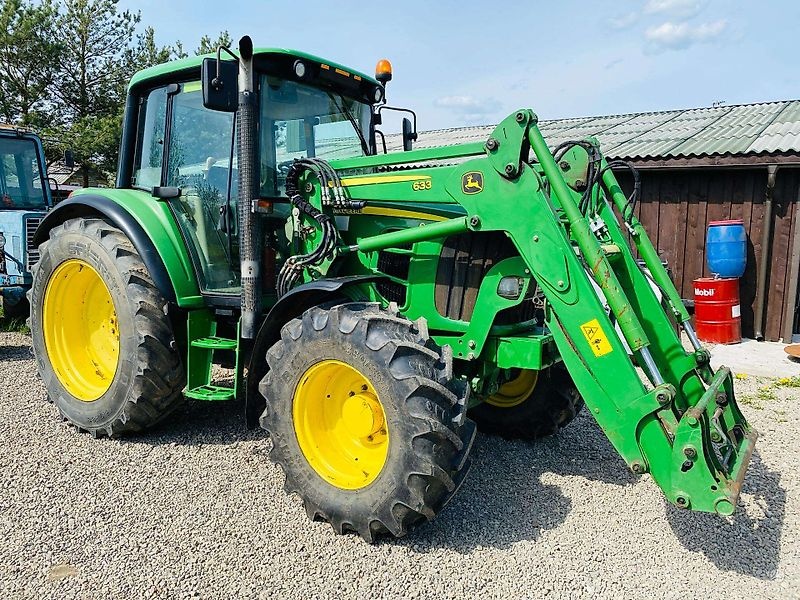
(383, 71)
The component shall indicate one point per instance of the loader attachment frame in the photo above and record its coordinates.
(685, 429)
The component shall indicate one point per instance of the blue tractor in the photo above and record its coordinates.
(24, 199)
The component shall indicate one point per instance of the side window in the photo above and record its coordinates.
(200, 142)
(10, 171)
(199, 162)
(150, 140)
(36, 177)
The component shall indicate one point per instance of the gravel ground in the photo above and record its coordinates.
(196, 510)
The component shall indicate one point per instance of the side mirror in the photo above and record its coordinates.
(220, 84)
(69, 159)
(409, 135)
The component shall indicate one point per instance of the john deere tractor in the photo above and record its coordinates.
(375, 307)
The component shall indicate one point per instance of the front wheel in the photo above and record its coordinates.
(365, 420)
(102, 340)
(530, 406)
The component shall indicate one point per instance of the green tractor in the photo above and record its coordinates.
(376, 308)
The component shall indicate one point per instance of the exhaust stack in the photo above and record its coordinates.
(249, 223)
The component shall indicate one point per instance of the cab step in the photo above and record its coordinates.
(212, 393)
(204, 344)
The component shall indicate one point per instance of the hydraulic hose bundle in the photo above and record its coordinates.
(595, 176)
(332, 195)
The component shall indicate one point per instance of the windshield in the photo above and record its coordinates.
(300, 121)
(20, 174)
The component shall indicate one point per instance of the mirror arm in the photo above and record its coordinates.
(216, 81)
(405, 110)
(383, 139)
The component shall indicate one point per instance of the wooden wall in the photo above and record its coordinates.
(676, 206)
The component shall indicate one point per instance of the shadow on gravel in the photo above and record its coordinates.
(504, 500)
(15, 353)
(746, 544)
(198, 423)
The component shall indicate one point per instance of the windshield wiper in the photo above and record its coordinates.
(343, 108)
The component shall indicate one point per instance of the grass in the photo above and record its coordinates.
(16, 325)
(766, 393)
(791, 382)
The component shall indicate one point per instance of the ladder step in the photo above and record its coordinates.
(211, 393)
(215, 343)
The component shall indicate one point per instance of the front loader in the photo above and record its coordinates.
(376, 308)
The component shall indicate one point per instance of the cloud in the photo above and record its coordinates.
(469, 108)
(622, 22)
(679, 36)
(676, 9)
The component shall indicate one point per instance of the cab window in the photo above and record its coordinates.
(201, 162)
(299, 121)
(20, 174)
(182, 144)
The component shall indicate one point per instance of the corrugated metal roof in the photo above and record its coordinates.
(728, 130)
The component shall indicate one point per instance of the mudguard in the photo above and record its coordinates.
(293, 304)
(150, 227)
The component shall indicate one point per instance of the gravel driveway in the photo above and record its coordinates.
(195, 509)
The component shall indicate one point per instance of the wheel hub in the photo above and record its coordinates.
(340, 424)
(363, 415)
(515, 392)
(81, 332)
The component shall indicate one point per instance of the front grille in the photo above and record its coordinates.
(395, 265)
(464, 262)
(31, 223)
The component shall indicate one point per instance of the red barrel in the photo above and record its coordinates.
(717, 314)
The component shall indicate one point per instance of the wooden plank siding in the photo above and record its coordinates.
(676, 206)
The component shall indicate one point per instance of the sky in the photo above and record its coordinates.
(466, 62)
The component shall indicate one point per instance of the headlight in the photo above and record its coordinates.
(510, 288)
(299, 69)
(378, 94)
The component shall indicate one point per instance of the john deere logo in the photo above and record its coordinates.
(472, 182)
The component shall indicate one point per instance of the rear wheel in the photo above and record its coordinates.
(102, 340)
(365, 419)
(532, 405)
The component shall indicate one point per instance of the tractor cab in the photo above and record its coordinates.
(24, 198)
(185, 147)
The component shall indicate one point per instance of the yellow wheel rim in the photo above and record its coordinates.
(81, 335)
(340, 424)
(516, 391)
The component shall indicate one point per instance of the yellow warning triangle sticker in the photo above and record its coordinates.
(596, 337)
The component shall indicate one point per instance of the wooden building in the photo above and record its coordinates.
(702, 165)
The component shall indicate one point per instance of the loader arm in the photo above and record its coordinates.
(681, 424)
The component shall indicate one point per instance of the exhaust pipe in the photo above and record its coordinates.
(249, 223)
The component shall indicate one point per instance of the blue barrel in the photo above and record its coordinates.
(726, 248)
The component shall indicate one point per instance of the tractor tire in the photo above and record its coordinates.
(104, 346)
(20, 310)
(536, 409)
(366, 420)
